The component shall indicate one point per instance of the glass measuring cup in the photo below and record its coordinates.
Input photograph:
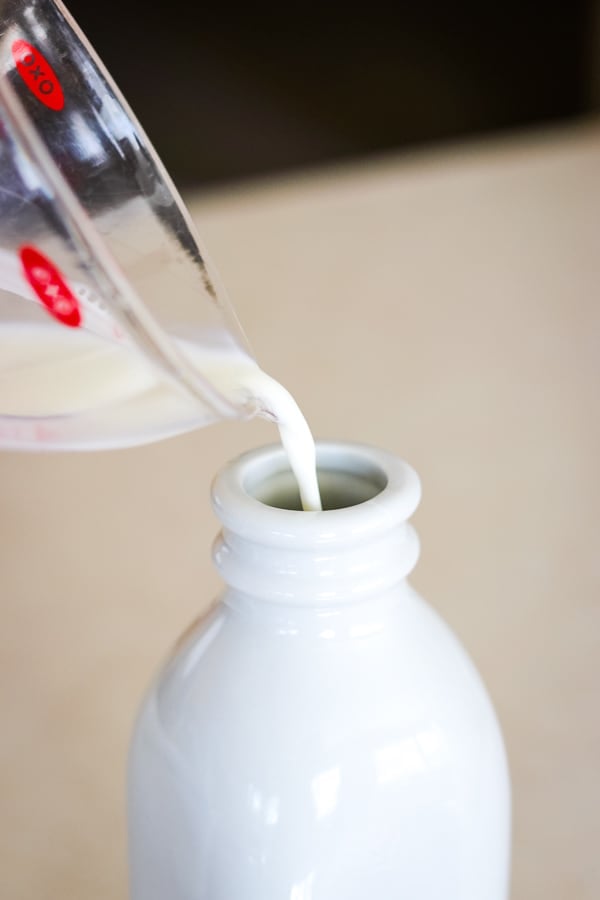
(114, 329)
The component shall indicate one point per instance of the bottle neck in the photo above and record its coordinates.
(357, 549)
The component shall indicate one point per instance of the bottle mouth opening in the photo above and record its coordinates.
(345, 480)
(365, 491)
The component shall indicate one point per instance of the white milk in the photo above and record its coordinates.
(50, 372)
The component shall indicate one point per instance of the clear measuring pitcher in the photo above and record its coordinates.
(114, 330)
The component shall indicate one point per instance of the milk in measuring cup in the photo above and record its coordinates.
(53, 371)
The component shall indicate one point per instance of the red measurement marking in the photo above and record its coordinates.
(38, 75)
(50, 287)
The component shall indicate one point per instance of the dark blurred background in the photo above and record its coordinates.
(229, 92)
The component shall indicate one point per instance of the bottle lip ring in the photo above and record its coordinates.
(236, 490)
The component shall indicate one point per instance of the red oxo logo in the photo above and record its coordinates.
(50, 287)
(38, 75)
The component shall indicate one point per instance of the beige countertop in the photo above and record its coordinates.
(444, 306)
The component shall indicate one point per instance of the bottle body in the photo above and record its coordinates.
(305, 750)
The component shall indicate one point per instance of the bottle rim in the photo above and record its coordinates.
(383, 491)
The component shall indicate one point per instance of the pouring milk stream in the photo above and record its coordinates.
(52, 371)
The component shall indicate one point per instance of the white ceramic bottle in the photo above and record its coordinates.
(320, 734)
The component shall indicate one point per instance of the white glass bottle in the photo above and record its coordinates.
(320, 734)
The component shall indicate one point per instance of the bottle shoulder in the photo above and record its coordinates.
(402, 666)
